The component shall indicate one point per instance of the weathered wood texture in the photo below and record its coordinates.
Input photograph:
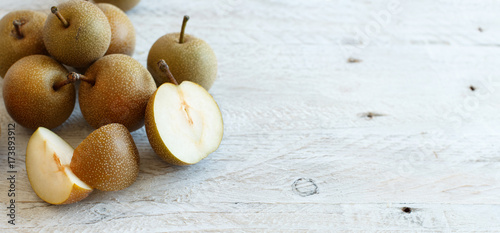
(313, 141)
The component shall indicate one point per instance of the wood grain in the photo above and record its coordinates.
(312, 142)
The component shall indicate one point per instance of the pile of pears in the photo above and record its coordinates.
(43, 57)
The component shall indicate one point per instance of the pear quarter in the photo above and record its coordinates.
(47, 165)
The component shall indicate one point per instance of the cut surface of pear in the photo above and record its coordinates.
(47, 164)
(183, 123)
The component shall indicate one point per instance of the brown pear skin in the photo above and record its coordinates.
(107, 159)
(190, 60)
(77, 33)
(122, 30)
(124, 5)
(120, 93)
(29, 94)
(20, 40)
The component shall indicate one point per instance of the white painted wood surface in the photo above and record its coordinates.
(300, 150)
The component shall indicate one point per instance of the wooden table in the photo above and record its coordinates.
(339, 115)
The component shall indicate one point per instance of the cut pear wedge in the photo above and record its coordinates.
(47, 163)
(183, 123)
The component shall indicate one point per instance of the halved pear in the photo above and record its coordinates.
(47, 163)
(183, 123)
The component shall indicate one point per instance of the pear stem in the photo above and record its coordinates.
(164, 68)
(17, 27)
(72, 78)
(184, 22)
(56, 12)
(83, 78)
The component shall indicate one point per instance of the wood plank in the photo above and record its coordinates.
(312, 142)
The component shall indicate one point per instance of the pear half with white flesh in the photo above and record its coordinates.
(47, 163)
(183, 121)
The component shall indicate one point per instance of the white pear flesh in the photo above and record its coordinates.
(47, 163)
(187, 121)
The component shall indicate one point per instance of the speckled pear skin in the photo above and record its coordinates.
(107, 159)
(13, 48)
(124, 5)
(29, 96)
(77, 194)
(85, 40)
(121, 92)
(122, 30)
(194, 60)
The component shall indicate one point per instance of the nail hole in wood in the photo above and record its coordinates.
(406, 210)
(353, 60)
(370, 115)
